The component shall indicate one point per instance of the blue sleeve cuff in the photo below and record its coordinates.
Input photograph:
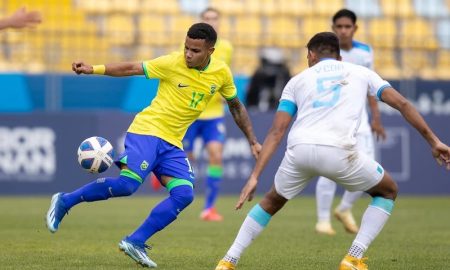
(380, 91)
(287, 106)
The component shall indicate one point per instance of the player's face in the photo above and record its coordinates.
(197, 53)
(211, 18)
(344, 29)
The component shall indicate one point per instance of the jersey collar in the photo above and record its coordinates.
(326, 58)
(206, 67)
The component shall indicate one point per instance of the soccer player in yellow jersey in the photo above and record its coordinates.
(153, 142)
(210, 127)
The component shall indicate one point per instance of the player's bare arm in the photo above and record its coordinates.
(113, 69)
(276, 133)
(241, 118)
(440, 151)
(21, 18)
(376, 124)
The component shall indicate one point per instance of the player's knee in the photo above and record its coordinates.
(387, 189)
(392, 191)
(124, 186)
(272, 201)
(182, 196)
(215, 153)
(215, 159)
(390, 188)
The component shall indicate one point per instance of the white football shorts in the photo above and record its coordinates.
(354, 170)
(365, 143)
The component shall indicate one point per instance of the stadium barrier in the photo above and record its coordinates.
(66, 92)
(38, 152)
(56, 92)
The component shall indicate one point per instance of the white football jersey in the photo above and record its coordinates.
(360, 54)
(330, 97)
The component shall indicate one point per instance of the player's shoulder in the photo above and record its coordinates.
(218, 64)
(361, 46)
(299, 78)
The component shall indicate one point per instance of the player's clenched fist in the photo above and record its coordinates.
(82, 68)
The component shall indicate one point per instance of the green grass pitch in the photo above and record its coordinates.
(417, 236)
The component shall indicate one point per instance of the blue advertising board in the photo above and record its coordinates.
(38, 153)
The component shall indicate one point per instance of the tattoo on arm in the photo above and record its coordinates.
(241, 118)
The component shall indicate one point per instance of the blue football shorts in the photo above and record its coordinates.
(209, 130)
(145, 153)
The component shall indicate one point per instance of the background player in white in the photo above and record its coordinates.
(344, 25)
(328, 99)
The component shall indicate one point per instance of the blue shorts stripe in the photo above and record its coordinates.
(379, 169)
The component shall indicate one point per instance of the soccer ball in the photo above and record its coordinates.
(95, 154)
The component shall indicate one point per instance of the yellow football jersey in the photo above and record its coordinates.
(215, 109)
(183, 94)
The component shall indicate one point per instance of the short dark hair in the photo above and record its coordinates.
(208, 9)
(203, 31)
(345, 13)
(325, 44)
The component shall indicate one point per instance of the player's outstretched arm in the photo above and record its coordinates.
(114, 69)
(241, 118)
(440, 151)
(279, 126)
(376, 124)
(20, 19)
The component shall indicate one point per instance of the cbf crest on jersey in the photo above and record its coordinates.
(213, 89)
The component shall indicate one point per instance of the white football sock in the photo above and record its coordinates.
(250, 229)
(348, 199)
(325, 190)
(372, 222)
(356, 251)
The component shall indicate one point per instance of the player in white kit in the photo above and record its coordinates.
(344, 25)
(328, 99)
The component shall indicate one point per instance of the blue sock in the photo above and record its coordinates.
(212, 185)
(164, 213)
(101, 189)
